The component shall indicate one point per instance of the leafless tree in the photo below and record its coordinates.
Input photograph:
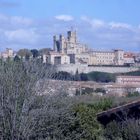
(26, 113)
(18, 99)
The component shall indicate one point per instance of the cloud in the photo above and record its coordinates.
(64, 17)
(120, 25)
(21, 20)
(8, 4)
(95, 23)
(110, 35)
(22, 36)
(22, 32)
(14, 22)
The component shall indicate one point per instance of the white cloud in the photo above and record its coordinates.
(14, 21)
(21, 20)
(21, 32)
(100, 23)
(64, 17)
(93, 22)
(3, 17)
(119, 25)
(22, 36)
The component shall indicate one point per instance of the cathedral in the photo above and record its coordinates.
(68, 45)
(67, 50)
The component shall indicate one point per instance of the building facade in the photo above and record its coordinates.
(68, 45)
(129, 58)
(55, 58)
(9, 53)
(67, 50)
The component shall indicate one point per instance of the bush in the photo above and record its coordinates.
(101, 77)
(63, 76)
(100, 90)
(127, 130)
(86, 115)
(133, 94)
(88, 122)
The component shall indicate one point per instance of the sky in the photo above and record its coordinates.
(101, 24)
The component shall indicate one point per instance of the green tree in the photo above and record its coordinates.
(35, 53)
(24, 53)
(101, 77)
(77, 76)
(44, 51)
(88, 122)
(84, 77)
(16, 58)
(128, 129)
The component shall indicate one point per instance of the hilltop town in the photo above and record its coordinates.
(70, 55)
(68, 50)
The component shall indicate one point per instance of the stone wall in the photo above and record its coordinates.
(72, 68)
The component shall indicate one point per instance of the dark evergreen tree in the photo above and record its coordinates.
(35, 53)
(77, 76)
(16, 58)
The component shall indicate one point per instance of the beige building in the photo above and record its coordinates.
(8, 53)
(104, 58)
(55, 58)
(85, 58)
(67, 50)
(101, 58)
(114, 57)
(68, 45)
(129, 58)
(81, 54)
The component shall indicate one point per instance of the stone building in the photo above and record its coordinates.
(68, 45)
(129, 58)
(80, 53)
(67, 50)
(85, 58)
(56, 58)
(9, 53)
(114, 57)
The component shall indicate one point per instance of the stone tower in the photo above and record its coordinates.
(62, 44)
(55, 43)
(72, 37)
(119, 55)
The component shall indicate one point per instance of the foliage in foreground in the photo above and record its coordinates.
(25, 115)
(127, 130)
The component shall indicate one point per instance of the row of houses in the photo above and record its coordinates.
(122, 86)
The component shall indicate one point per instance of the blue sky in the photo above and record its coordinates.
(116, 10)
(101, 24)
